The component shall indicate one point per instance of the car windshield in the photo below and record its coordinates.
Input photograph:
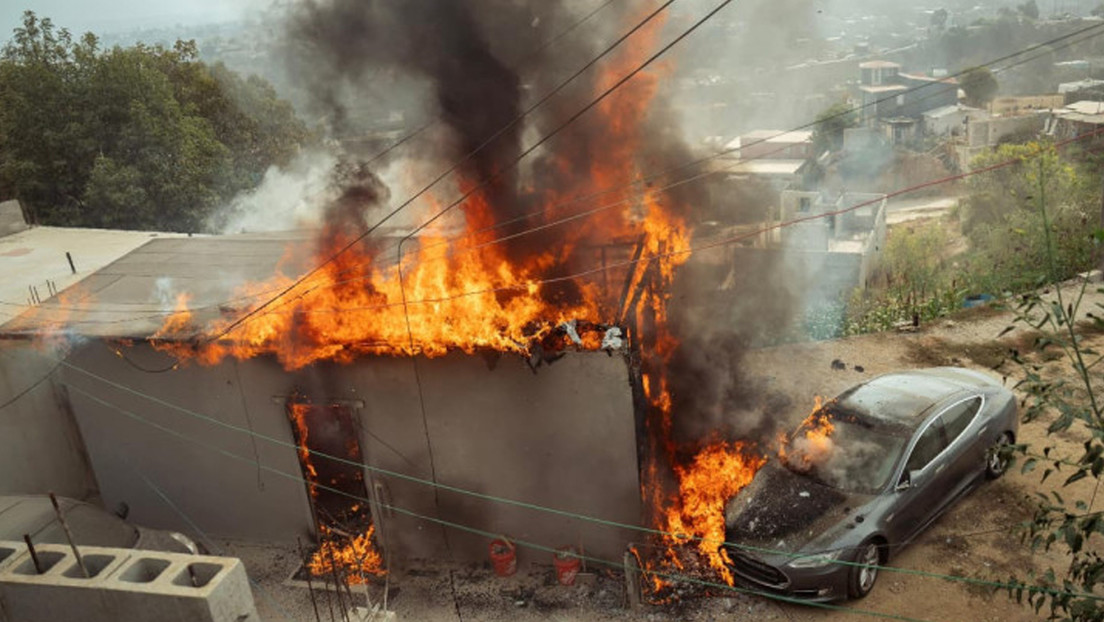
(844, 450)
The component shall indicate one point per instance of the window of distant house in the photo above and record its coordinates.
(803, 204)
(876, 77)
(900, 100)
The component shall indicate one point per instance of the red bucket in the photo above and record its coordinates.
(567, 563)
(503, 557)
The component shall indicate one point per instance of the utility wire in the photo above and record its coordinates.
(540, 547)
(437, 485)
(31, 387)
(525, 285)
(211, 544)
(524, 61)
(333, 257)
(932, 87)
(642, 181)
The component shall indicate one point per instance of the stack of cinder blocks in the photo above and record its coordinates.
(125, 585)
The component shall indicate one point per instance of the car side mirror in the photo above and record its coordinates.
(904, 483)
(908, 480)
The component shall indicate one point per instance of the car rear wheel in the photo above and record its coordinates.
(996, 462)
(865, 572)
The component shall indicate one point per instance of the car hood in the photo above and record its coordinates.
(787, 512)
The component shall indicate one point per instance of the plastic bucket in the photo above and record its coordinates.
(503, 557)
(567, 564)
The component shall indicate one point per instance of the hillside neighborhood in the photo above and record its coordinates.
(508, 310)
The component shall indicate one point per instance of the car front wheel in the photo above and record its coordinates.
(996, 462)
(865, 571)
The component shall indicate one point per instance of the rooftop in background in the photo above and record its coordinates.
(879, 64)
(884, 88)
(34, 257)
(767, 167)
(1079, 85)
(1087, 107)
(777, 136)
(946, 111)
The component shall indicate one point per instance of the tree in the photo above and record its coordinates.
(1072, 406)
(979, 85)
(1029, 9)
(1005, 228)
(142, 137)
(939, 19)
(830, 125)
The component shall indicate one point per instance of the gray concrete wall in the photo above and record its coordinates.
(226, 497)
(563, 438)
(40, 446)
(11, 218)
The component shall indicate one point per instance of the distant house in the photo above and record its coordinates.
(1022, 104)
(1080, 85)
(894, 101)
(1077, 119)
(777, 157)
(951, 120)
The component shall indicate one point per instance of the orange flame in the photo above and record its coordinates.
(814, 444)
(356, 558)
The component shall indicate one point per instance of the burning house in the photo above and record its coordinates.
(418, 391)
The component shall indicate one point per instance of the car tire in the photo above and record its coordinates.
(995, 464)
(862, 576)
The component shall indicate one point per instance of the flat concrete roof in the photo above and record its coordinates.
(31, 257)
(878, 64)
(951, 109)
(885, 88)
(131, 295)
(778, 136)
(767, 167)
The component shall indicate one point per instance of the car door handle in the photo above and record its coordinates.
(940, 468)
(982, 431)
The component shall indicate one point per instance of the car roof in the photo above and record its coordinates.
(905, 397)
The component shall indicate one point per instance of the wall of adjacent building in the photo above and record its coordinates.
(40, 446)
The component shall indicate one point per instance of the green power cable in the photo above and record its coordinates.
(967, 580)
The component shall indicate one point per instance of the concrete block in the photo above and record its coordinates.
(125, 584)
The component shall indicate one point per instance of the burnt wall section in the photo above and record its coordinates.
(40, 445)
(563, 438)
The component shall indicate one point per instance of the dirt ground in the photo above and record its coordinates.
(972, 540)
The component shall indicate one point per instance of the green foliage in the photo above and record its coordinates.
(141, 137)
(830, 125)
(1029, 9)
(979, 85)
(1005, 228)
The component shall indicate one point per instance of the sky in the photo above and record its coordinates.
(102, 16)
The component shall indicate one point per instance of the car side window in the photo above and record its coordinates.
(927, 447)
(958, 417)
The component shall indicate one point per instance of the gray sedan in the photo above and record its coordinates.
(863, 477)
